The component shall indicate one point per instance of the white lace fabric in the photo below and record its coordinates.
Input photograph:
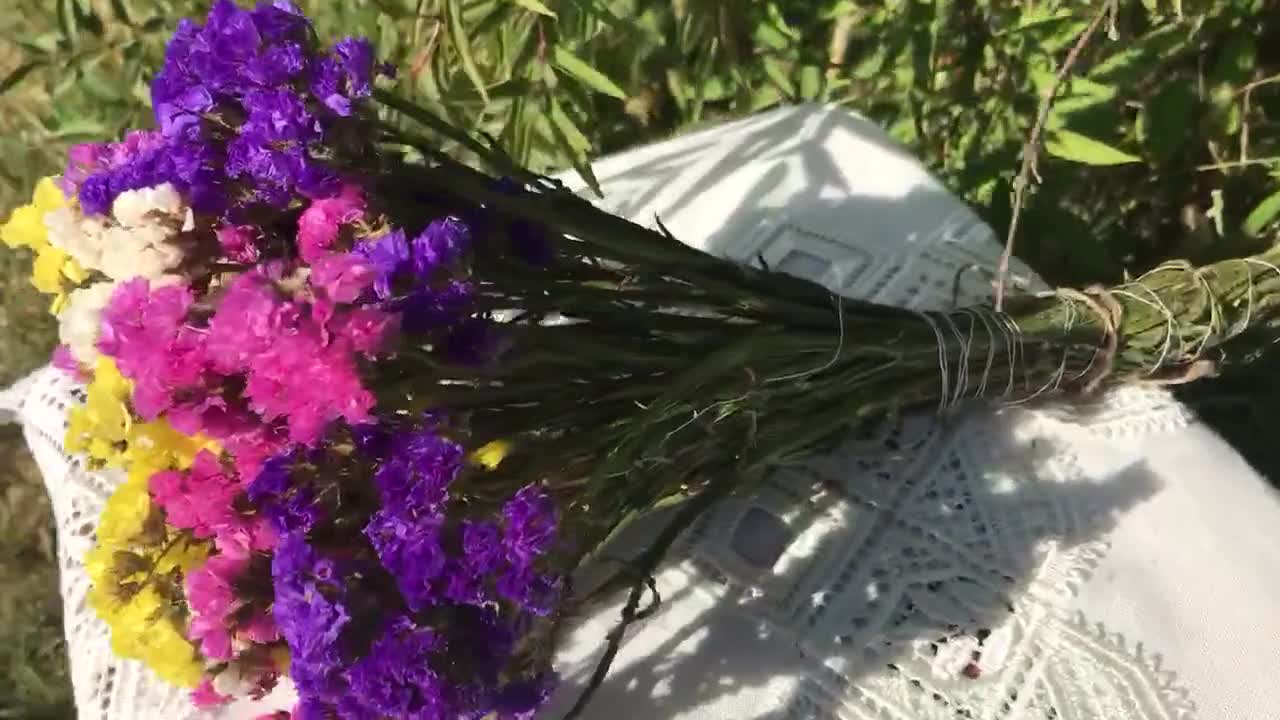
(1060, 562)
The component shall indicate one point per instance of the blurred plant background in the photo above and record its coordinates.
(1162, 143)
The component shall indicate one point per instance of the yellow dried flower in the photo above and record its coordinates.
(125, 515)
(25, 228)
(491, 454)
(46, 270)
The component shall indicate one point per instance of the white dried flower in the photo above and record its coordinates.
(80, 321)
(138, 252)
(135, 241)
(140, 208)
(79, 236)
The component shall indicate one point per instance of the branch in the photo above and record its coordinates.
(1031, 150)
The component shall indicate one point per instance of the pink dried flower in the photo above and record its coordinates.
(320, 223)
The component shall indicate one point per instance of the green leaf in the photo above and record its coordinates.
(772, 37)
(586, 74)
(79, 129)
(773, 68)
(578, 142)
(535, 6)
(764, 97)
(715, 88)
(810, 82)
(574, 144)
(1262, 215)
(1073, 146)
(17, 74)
(1144, 56)
(458, 36)
(1037, 17)
(1075, 94)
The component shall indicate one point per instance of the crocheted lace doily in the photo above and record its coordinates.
(923, 572)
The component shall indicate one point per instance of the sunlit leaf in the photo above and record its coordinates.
(1262, 215)
(586, 74)
(773, 68)
(1075, 147)
(578, 142)
(535, 6)
(458, 36)
(810, 82)
(575, 144)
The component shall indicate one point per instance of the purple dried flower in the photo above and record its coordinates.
(279, 21)
(481, 546)
(277, 65)
(440, 244)
(534, 592)
(311, 616)
(356, 59)
(395, 679)
(530, 523)
(388, 254)
(289, 506)
(182, 113)
(95, 194)
(338, 80)
(411, 550)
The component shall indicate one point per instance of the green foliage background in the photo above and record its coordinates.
(1162, 144)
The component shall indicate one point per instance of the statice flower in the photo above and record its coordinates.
(345, 75)
(400, 263)
(283, 348)
(146, 332)
(291, 507)
(239, 243)
(310, 609)
(78, 327)
(204, 500)
(409, 532)
(342, 278)
(82, 160)
(356, 621)
(529, 531)
(284, 379)
(438, 246)
(388, 254)
(322, 221)
(258, 75)
(406, 669)
(367, 330)
(223, 621)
